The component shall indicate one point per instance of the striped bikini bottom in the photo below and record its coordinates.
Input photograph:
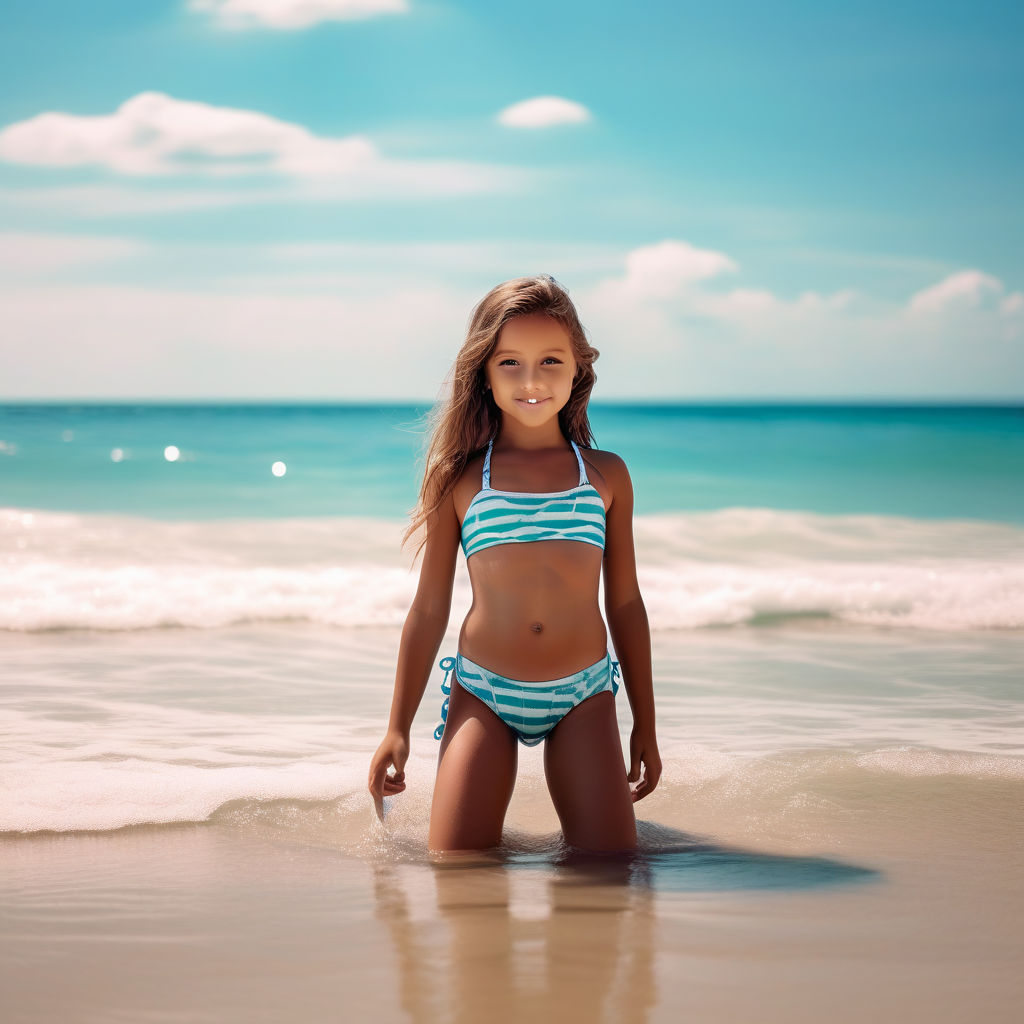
(530, 709)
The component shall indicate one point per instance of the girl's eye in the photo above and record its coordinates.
(510, 361)
(548, 360)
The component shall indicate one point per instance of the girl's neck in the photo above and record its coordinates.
(516, 435)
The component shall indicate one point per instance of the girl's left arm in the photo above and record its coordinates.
(627, 620)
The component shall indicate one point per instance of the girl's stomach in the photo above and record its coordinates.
(535, 613)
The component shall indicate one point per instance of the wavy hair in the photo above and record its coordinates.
(461, 425)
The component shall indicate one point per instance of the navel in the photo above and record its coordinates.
(536, 626)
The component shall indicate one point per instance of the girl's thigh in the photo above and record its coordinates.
(587, 778)
(476, 772)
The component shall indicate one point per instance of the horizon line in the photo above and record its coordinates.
(1002, 402)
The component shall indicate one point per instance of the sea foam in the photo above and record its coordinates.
(82, 795)
(77, 571)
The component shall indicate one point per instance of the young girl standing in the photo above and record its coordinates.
(511, 476)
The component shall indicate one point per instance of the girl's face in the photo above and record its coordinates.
(531, 368)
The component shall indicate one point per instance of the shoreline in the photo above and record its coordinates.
(218, 921)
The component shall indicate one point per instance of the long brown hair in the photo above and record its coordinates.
(462, 423)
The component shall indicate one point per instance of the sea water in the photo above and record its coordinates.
(831, 590)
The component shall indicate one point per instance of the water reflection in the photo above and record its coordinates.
(516, 934)
(497, 944)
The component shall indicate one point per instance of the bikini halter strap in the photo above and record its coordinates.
(487, 465)
(486, 481)
(579, 459)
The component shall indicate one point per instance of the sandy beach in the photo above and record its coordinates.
(905, 917)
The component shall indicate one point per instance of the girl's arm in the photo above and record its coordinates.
(627, 620)
(422, 634)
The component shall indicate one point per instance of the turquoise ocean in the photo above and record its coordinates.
(834, 592)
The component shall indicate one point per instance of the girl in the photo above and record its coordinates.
(532, 659)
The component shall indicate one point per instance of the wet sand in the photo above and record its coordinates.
(886, 913)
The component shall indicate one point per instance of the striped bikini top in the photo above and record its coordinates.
(514, 517)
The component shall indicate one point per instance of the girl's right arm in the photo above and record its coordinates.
(422, 634)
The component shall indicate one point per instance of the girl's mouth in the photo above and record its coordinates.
(531, 401)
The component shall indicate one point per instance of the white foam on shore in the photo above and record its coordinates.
(81, 795)
(74, 571)
(90, 796)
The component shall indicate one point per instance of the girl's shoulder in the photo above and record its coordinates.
(607, 463)
(469, 481)
(607, 472)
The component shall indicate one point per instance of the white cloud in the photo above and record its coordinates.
(964, 288)
(293, 14)
(113, 341)
(662, 270)
(374, 267)
(152, 135)
(674, 273)
(495, 259)
(383, 320)
(385, 180)
(96, 202)
(156, 134)
(37, 254)
(673, 333)
(1013, 303)
(543, 112)
(751, 305)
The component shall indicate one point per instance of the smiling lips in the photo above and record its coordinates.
(531, 401)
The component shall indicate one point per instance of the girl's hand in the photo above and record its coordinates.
(393, 751)
(643, 749)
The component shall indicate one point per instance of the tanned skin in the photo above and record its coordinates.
(535, 616)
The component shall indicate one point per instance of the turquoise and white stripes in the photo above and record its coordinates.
(509, 517)
(530, 709)
(497, 517)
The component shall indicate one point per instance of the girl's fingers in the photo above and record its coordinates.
(647, 784)
(387, 785)
(376, 782)
(382, 785)
(380, 782)
(636, 787)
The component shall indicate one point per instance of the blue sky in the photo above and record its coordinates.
(305, 198)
